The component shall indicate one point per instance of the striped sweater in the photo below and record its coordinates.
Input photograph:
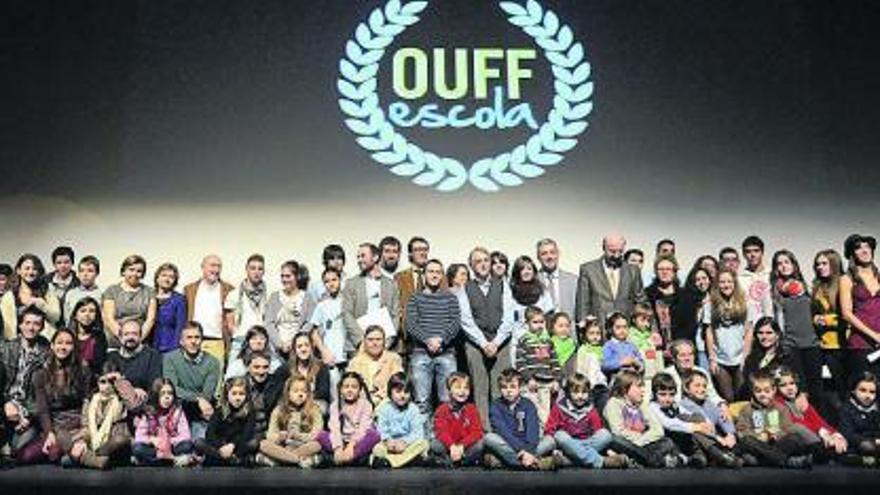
(433, 315)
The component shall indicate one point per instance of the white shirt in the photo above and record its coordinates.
(208, 309)
(551, 286)
(374, 293)
(756, 286)
(246, 314)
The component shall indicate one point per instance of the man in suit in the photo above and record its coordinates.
(412, 281)
(204, 304)
(369, 291)
(559, 285)
(607, 284)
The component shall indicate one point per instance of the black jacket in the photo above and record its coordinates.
(859, 423)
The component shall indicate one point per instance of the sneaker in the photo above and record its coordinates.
(799, 462)
(560, 459)
(491, 462)
(263, 460)
(380, 463)
(671, 461)
(184, 460)
(616, 461)
(731, 461)
(750, 460)
(698, 461)
(546, 464)
(869, 461)
(67, 462)
(310, 461)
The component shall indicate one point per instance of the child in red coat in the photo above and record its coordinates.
(799, 410)
(458, 431)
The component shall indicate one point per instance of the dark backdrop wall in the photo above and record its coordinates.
(174, 128)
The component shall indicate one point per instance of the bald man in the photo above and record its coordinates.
(204, 304)
(607, 284)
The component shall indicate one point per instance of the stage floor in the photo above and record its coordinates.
(216, 481)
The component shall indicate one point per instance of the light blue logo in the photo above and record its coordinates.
(377, 128)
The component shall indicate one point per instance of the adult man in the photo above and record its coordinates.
(21, 358)
(195, 374)
(560, 285)
(245, 306)
(412, 281)
(665, 247)
(607, 284)
(369, 292)
(88, 271)
(204, 304)
(486, 347)
(332, 257)
(62, 279)
(390, 252)
(433, 322)
(729, 259)
(755, 279)
(140, 364)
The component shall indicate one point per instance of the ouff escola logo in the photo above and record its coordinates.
(421, 72)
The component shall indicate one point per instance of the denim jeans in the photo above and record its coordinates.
(427, 371)
(495, 444)
(584, 452)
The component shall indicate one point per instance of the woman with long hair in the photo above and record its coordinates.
(289, 310)
(87, 325)
(29, 288)
(830, 327)
(726, 320)
(526, 290)
(791, 305)
(860, 302)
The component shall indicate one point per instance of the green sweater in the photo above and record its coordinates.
(192, 378)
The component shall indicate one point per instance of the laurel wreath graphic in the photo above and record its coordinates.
(359, 101)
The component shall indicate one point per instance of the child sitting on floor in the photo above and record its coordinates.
(294, 427)
(401, 426)
(457, 428)
(860, 419)
(720, 445)
(231, 438)
(352, 434)
(802, 413)
(618, 352)
(162, 433)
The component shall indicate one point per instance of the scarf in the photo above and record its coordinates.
(103, 412)
(255, 294)
(790, 287)
(863, 409)
(564, 347)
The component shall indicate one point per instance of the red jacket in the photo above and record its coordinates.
(809, 418)
(462, 428)
(580, 424)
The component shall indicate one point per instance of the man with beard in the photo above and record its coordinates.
(560, 285)
(264, 387)
(389, 248)
(412, 281)
(245, 306)
(432, 324)
(607, 284)
(20, 359)
(195, 375)
(139, 364)
(368, 292)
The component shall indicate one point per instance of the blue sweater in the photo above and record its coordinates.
(406, 424)
(614, 351)
(517, 425)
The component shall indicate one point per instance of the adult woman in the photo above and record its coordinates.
(289, 309)
(255, 340)
(170, 309)
(725, 318)
(860, 301)
(88, 327)
(791, 305)
(526, 290)
(769, 353)
(663, 294)
(29, 288)
(831, 329)
(374, 363)
(305, 363)
(500, 264)
(686, 322)
(129, 299)
(60, 389)
(708, 263)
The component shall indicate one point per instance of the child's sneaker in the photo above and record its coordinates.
(731, 461)
(491, 462)
(262, 460)
(698, 461)
(184, 460)
(869, 461)
(799, 462)
(380, 463)
(546, 464)
(310, 461)
(671, 461)
(616, 461)
(750, 460)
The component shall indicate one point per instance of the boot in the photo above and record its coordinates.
(91, 460)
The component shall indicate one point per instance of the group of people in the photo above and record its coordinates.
(490, 363)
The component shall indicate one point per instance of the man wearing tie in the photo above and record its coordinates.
(607, 284)
(412, 281)
(560, 285)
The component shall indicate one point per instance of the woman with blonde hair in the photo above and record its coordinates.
(830, 327)
(728, 333)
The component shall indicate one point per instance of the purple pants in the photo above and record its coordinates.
(362, 449)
